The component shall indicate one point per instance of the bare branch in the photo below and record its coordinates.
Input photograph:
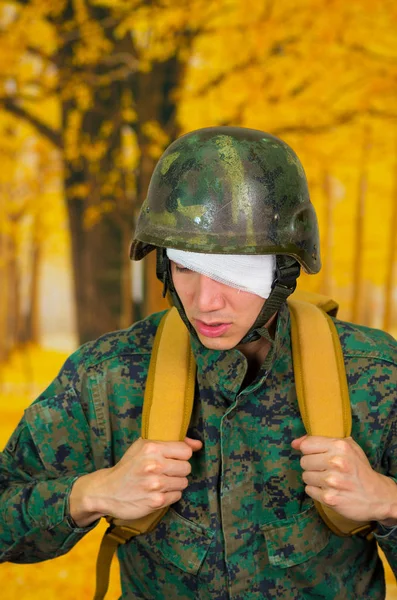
(51, 134)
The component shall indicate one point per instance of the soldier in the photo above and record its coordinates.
(229, 215)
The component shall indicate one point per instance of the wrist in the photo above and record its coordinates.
(389, 516)
(83, 503)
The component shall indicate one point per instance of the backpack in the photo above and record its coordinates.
(324, 407)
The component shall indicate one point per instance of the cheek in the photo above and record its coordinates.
(248, 304)
(181, 289)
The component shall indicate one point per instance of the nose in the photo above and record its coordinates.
(209, 296)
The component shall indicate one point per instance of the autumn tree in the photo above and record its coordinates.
(130, 76)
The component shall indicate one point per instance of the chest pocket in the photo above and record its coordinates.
(294, 540)
(178, 541)
(61, 434)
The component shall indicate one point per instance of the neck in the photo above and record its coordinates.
(256, 352)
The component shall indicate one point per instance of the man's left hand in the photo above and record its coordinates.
(338, 474)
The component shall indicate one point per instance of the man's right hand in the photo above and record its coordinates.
(150, 475)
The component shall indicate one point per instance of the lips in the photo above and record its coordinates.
(211, 329)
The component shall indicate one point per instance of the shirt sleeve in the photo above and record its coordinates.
(387, 536)
(48, 450)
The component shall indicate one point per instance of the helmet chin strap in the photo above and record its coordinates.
(287, 272)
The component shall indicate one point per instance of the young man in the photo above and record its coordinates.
(229, 215)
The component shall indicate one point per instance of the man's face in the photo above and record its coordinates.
(220, 314)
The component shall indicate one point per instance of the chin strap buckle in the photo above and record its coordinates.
(287, 272)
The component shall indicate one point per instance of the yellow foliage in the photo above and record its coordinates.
(158, 139)
(93, 151)
(80, 190)
(93, 214)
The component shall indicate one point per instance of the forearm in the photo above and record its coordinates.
(33, 524)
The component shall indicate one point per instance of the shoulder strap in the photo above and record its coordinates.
(321, 384)
(168, 404)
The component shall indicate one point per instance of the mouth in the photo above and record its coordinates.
(212, 330)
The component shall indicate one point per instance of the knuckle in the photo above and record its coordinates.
(339, 463)
(152, 466)
(153, 484)
(329, 498)
(157, 500)
(342, 446)
(150, 448)
(332, 480)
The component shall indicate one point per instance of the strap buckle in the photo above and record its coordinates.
(120, 533)
(287, 273)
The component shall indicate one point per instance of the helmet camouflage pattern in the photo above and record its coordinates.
(229, 190)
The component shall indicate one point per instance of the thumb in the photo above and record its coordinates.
(296, 444)
(194, 444)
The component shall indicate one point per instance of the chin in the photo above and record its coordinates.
(217, 343)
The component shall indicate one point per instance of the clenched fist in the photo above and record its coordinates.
(338, 474)
(150, 475)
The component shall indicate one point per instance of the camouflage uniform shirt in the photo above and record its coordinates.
(244, 527)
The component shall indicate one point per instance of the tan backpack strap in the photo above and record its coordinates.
(320, 376)
(166, 412)
(170, 383)
(321, 385)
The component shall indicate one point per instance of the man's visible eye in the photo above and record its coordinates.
(181, 269)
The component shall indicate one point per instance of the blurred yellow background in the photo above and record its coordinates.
(91, 92)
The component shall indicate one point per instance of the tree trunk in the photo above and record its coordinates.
(13, 309)
(31, 330)
(96, 186)
(154, 94)
(97, 267)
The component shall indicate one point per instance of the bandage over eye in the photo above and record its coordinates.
(247, 272)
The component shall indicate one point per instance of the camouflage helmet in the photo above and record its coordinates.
(229, 190)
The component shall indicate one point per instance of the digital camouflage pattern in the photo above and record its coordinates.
(229, 190)
(244, 528)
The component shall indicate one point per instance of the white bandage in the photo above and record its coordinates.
(247, 272)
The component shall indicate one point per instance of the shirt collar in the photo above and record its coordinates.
(224, 370)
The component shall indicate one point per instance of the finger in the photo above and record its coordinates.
(176, 450)
(326, 480)
(176, 468)
(328, 497)
(296, 443)
(172, 497)
(163, 484)
(314, 478)
(194, 444)
(316, 444)
(314, 462)
(162, 499)
(174, 484)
